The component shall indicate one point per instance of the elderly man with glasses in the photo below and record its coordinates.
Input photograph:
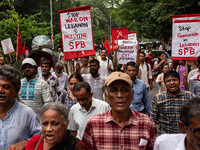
(86, 107)
(189, 124)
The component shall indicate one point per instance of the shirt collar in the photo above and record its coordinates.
(181, 145)
(136, 80)
(179, 94)
(132, 120)
(94, 105)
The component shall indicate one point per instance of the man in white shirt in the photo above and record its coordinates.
(106, 65)
(87, 107)
(190, 127)
(95, 80)
(145, 73)
(62, 76)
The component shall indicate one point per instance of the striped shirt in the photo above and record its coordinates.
(165, 110)
(35, 93)
(103, 133)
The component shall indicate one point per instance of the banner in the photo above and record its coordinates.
(133, 36)
(118, 34)
(76, 32)
(7, 46)
(127, 51)
(76, 29)
(185, 36)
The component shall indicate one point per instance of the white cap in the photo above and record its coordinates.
(28, 61)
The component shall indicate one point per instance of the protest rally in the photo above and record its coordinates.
(101, 75)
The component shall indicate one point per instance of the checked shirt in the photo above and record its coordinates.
(165, 110)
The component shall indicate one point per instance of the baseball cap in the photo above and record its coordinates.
(28, 61)
(118, 76)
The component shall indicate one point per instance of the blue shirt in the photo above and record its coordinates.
(20, 123)
(140, 98)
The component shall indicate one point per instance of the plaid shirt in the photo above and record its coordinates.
(103, 133)
(165, 110)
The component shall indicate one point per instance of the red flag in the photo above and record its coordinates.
(118, 34)
(107, 45)
(19, 43)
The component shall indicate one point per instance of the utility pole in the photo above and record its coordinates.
(51, 21)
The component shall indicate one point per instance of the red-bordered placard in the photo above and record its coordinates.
(133, 36)
(76, 32)
(185, 36)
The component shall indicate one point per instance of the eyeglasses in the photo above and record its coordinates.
(82, 99)
(195, 131)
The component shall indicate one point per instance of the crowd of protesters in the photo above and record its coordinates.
(95, 103)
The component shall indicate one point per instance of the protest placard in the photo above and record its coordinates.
(133, 36)
(118, 34)
(76, 29)
(7, 46)
(185, 36)
(127, 51)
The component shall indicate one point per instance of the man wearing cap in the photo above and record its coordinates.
(120, 127)
(34, 91)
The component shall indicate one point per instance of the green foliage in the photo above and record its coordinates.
(152, 19)
(29, 28)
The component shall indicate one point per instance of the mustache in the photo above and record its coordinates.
(2, 95)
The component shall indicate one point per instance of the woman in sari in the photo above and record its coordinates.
(54, 120)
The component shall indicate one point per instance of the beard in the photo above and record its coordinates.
(94, 72)
(29, 75)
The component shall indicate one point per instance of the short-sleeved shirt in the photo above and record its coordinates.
(63, 80)
(96, 84)
(165, 110)
(78, 116)
(146, 73)
(103, 133)
(103, 70)
(35, 93)
(53, 83)
(20, 123)
(140, 100)
(170, 142)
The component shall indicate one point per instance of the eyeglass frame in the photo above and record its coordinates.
(194, 131)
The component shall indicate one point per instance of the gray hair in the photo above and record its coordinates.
(9, 73)
(78, 86)
(57, 106)
(59, 64)
(190, 109)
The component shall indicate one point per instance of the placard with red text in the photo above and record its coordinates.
(133, 36)
(7, 46)
(186, 36)
(127, 51)
(76, 29)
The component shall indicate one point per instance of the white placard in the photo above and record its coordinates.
(185, 37)
(76, 31)
(127, 51)
(7, 46)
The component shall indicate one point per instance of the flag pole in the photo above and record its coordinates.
(17, 44)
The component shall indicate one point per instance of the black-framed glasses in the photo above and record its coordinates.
(195, 131)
